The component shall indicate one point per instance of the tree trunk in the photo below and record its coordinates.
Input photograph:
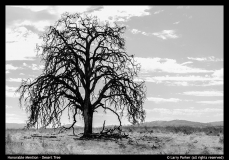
(88, 119)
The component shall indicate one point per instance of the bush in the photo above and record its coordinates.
(221, 139)
(8, 139)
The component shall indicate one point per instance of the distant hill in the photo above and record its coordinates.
(219, 123)
(177, 123)
(174, 123)
(21, 125)
(15, 125)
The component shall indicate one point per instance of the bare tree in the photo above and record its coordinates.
(86, 67)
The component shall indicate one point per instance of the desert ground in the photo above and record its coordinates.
(142, 140)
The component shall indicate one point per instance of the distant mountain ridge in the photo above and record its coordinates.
(177, 123)
(22, 125)
(15, 125)
(174, 123)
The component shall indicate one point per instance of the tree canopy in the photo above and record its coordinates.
(85, 67)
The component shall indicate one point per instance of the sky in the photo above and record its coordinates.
(180, 49)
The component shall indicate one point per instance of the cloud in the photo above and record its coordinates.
(160, 100)
(191, 80)
(211, 102)
(218, 73)
(180, 78)
(204, 93)
(7, 106)
(71, 9)
(36, 15)
(17, 15)
(37, 67)
(189, 62)
(211, 59)
(167, 65)
(10, 92)
(34, 66)
(23, 47)
(121, 13)
(15, 80)
(176, 22)
(161, 65)
(135, 31)
(159, 11)
(11, 88)
(10, 67)
(13, 118)
(183, 7)
(213, 83)
(177, 83)
(34, 8)
(184, 112)
(166, 34)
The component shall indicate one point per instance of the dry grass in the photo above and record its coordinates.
(143, 140)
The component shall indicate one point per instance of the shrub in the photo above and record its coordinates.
(221, 139)
(8, 139)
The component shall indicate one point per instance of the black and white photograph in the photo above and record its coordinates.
(114, 80)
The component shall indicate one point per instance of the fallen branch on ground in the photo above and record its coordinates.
(115, 133)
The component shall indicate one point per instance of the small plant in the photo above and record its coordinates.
(121, 145)
(43, 143)
(8, 139)
(221, 139)
(205, 151)
(130, 130)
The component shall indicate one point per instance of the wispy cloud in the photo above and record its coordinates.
(34, 66)
(8, 106)
(191, 80)
(118, 13)
(176, 22)
(166, 34)
(167, 65)
(121, 13)
(13, 89)
(171, 66)
(10, 67)
(13, 118)
(180, 78)
(218, 73)
(24, 46)
(187, 112)
(135, 31)
(15, 80)
(183, 7)
(213, 83)
(211, 102)
(159, 11)
(204, 93)
(160, 100)
(10, 92)
(169, 83)
(211, 59)
(34, 8)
